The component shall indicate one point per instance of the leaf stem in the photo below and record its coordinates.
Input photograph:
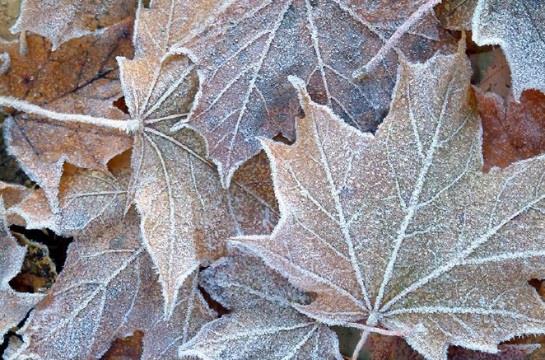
(394, 39)
(373, 329)
(363, 339)
(129, 126)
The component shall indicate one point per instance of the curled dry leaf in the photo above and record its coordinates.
(403, 230)
(246, 51)
(108, 287)
(519, 28)
(512, 130)
(14, 305)
(63, 20)
(80, 77)
(262, 324)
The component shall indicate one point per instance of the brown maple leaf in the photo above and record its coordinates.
(512, 130)
(403, 230)
(63, 20)
(245, 52)
(518, 27)
(79, 77)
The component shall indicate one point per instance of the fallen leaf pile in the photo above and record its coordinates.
(252, 179)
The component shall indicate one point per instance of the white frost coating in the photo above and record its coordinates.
(445, 252)
(262, 325)
(518, 27)
(62, 20)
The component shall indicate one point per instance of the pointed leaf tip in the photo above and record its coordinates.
(301, 88)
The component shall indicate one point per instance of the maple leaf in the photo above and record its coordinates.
(245, 54)
(512, 130)
(186, 214)
(79, 77)
(263, 324)
(14, 305)
(60, 21)
(518, 27)
(403, 229)
(108, 287)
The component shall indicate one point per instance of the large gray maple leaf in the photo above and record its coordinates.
(246, 50)
(403, 230)
(519, 28)
(263, 324)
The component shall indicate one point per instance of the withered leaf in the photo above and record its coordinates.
(63, 20)
(108, 289)
(14, 305)
(246, 53)
(80, 77)
(263, 325)
(186, 214)
(512, 130)
(403, 230)
(518, 27)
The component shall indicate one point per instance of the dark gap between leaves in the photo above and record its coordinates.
(121, 105)
(12, 333)
(56, 244)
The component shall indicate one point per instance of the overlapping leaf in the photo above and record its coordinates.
(60, 21)
(80, 77)
(186, 214)
(246, 53)
(14, 305)
(403, 230)
(108, 287)
(519, 28)
(263, 324)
